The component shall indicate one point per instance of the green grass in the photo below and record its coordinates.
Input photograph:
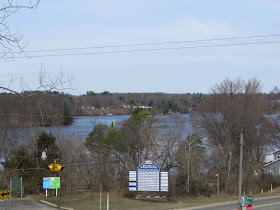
(86, 202)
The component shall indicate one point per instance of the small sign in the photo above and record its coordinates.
(51, 182)
(5, 194)
(148, 165)
(45, 183)
(249, 207)
(246, 200)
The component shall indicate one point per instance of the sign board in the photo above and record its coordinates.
(148, 177)
(16, 184)
(148, 165)
(249, 207)
(51, 182)
(5, 194)
(247, 200)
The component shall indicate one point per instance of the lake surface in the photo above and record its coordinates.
(83, 125)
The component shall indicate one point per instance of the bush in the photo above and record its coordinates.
(129, 194)
(205, 190)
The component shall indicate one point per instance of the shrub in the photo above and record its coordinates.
(205, 190)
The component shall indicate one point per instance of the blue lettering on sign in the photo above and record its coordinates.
(148, 166)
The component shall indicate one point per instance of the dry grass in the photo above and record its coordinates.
(86, 202)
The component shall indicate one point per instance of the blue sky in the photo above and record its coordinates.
(87, 23)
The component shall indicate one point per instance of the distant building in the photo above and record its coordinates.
(87, 107)
(272, 165)
(142, 107)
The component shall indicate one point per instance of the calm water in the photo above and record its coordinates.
(83, 125)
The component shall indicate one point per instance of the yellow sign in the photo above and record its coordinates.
(5, 194)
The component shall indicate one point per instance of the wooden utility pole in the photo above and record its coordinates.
(240, 172)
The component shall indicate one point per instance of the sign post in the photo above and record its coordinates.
(51, 183)
(107, 201)
(5, 194)
(246, 201)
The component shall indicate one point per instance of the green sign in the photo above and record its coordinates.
(51, 182)
(247, 202)
(16, 184)
(248, 198)
(54, 182)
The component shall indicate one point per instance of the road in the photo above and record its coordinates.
(270, 203)
(25, 205)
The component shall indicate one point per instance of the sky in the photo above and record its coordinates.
(69, 24)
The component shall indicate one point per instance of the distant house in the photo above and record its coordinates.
(273, 165)
(87, 107)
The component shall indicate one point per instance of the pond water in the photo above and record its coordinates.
(83, 125)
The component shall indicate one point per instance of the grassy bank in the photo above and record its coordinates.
(92, 202)
(86, 202)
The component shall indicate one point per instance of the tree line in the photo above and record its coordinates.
(192, 149)
(56, 108)
(54, 103)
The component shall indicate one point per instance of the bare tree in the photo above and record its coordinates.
(37, 98)
(10, 40)
(235, 107)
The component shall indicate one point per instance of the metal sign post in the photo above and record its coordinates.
(240, 172)
(100, 200)
(51, 183)
(5, 194)
(21, 194)
(107, 201)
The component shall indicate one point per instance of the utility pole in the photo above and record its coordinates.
(218, 186)
(239, 207)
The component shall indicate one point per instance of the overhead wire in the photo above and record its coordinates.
(148, 44)
(147, 50)
(154, 43)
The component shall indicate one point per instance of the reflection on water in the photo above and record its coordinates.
(83, 125)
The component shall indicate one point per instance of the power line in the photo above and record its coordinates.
(149, 50)
(154, 43)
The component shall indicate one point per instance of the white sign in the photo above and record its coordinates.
(148, 177)
(132, 180)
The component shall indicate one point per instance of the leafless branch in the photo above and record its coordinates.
(9, 40)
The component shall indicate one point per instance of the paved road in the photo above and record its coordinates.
(25, 205)
(271, 203)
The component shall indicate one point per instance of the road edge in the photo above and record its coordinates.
(49, 203)
(54, 205)
(219, 204)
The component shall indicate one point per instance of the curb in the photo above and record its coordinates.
(48, 203)
(66, 208)
(219, 204)
(54, 205)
